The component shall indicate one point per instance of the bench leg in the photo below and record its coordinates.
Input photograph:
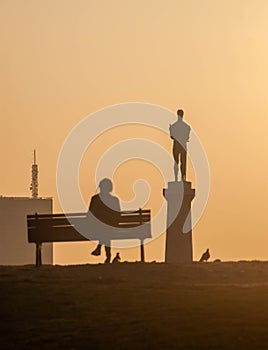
(38, 255)
(142, 252)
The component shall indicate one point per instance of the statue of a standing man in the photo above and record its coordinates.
(180, 133)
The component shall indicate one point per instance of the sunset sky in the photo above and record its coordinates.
(62, 60)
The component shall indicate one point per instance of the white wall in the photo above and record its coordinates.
(14, 246)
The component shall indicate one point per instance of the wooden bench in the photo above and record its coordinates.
(48, 228)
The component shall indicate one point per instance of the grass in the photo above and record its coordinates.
(135, 306)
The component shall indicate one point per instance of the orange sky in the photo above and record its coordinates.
(63, 59)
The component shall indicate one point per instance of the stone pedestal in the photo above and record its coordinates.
(179, 196)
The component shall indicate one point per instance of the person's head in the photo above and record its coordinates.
(180, 113)
(106, 185)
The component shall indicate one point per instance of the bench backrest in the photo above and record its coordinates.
(58, 228)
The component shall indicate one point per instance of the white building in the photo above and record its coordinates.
(14, 246)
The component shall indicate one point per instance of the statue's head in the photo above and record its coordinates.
(106, 185)
(180, 113)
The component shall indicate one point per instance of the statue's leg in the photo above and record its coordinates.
(183, 164)
(176, 170)
(176, 160)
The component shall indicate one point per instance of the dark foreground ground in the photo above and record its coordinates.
(135, 306)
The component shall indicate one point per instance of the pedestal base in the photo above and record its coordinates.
(179, 196)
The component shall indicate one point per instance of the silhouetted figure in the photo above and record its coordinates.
(205, 256)
(180, 133)
(106, 208)
(116, 259)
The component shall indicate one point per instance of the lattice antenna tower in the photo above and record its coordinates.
(34, 184)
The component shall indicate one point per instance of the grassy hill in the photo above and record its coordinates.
(135, 306)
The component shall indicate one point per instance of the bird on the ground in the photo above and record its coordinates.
(205, 256)
(116, 259)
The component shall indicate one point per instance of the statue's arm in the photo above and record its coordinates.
(170, 132)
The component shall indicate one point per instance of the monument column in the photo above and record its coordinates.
(179, 196)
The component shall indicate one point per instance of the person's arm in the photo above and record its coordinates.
(90, 204)
(93, 205)
(117, 205)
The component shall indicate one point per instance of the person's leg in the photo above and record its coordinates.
(97, 251)
(108, 254)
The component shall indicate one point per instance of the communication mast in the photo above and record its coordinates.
(34, 184)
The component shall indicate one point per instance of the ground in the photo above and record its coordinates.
(135, 306)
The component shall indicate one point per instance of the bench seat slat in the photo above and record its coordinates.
(46, 226)
(54, 235)
(55, 221)
(136, 218)
(129, 224)
(84, 214)
(69, 234)
(50, 222)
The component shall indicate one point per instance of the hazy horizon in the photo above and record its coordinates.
(63, 60)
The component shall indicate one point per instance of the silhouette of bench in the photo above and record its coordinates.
(49, 228)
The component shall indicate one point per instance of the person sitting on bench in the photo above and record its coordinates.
(106, 208)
